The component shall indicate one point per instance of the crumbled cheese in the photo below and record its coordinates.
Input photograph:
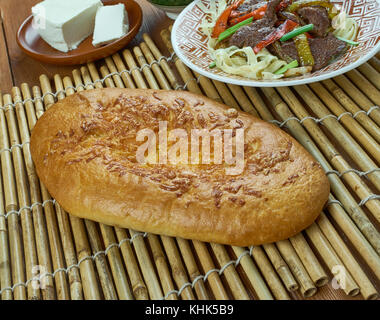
(111, 23)
(64, 24)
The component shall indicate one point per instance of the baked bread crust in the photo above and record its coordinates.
(84, 150)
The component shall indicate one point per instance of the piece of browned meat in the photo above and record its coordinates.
(322, 49)
(318, 17)
(251, 35)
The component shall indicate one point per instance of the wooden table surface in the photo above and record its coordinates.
(17, 68)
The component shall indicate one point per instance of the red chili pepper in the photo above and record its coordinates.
(236, 14)
(256, 14)
(308, 35)
(221, 22)
(286, 27)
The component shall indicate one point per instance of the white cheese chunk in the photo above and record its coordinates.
(111, 23)
(64, 24)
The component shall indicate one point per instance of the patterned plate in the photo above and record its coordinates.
(190, 44)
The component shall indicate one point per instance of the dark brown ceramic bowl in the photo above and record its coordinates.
(33, 45)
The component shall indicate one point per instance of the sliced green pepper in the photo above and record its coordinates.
(350, 42)
(230, 31)
(293, 64)
(303, 50)
(297, 32)
(307, 3)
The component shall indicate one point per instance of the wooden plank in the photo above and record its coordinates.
(6, 81)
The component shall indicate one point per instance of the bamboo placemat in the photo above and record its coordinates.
(47, 254)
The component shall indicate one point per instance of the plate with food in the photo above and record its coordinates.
(268, 43)
(74, 32)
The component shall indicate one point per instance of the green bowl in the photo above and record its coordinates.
(171, 2)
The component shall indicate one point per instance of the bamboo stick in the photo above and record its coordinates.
(307, 286)
(145, 68)
(232, 277)
(258, 103)
(38, 104)
(356, 95)
(366, 288)
(136, 74)
(350, 106)
(225, 94)
(280, 266)
(178, 271)
(336, 185)
(192, 268)
(164, 84)
(244, 103)
(331, 259)
(375, 63)
(146, 265)
(59, 217)
(125, 76)
(90, 284)
(208, 265)
(30, 251)
(5, 266)
(87, 270)
(184, 71)
(5, 263)
(10, 203)
(41, 237)
(253, 274)
(94, 75)
(139, 289)
(352, 148)
(103, 270)
(270, 275)
(309, 260)
(208, 87)
(115, 261)
(162, 267)
(364, 85)
(163, 63)
(86, 78)
(371, 74)
(116, 78)
(352, 126)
